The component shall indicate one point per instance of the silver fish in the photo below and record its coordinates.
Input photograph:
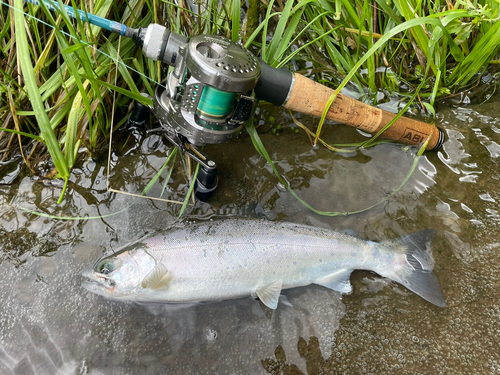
(235, 258)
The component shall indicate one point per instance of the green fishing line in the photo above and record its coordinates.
(216, 103)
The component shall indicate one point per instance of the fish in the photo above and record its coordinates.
(234, 258)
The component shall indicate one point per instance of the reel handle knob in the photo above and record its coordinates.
(206, 183)
(139, 118)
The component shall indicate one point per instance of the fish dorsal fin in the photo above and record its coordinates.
(270, 294)
(338, 281)
(158, 278)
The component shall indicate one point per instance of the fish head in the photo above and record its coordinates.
(120, 275)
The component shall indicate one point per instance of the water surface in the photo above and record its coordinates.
(49, 324)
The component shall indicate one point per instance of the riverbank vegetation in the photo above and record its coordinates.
(63, 83)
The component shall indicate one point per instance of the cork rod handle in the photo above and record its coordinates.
(310, 97)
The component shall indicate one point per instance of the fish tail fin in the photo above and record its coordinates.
(415, 273)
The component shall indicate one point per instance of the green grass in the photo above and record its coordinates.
(418, 51)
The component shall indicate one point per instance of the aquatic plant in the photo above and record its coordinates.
(77, 81)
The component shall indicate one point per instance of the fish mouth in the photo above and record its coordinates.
(95, 283)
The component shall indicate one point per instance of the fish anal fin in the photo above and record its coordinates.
(270, 294)
(338, 281)
(159, 277)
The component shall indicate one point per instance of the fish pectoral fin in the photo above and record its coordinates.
(270, 294)
(338, 281)
(158, 278)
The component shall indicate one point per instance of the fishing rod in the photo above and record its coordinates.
(214, 86)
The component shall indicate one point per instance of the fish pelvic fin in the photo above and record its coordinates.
(284, 300)
(159, 277)
(415, 272)
(270, 294)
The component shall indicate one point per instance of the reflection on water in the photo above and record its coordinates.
(49, 324)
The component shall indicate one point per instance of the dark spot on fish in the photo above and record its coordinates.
(353, 254)
(321, 261)
(267, 261)
(295, 263)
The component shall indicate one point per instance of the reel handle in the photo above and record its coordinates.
(310, 97)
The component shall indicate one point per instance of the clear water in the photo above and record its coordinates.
(49, 324)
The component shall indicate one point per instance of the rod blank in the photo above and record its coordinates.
(113, 26)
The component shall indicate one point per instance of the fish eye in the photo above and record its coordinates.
(105, 267)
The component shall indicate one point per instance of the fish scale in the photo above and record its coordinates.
(235, 257)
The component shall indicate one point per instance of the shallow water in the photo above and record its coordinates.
(49, 324)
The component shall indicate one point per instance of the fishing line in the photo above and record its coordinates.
(82, 42)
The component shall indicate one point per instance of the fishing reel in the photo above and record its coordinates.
(206, 98)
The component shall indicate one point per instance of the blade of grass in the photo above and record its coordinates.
(278, 32)
(70, 143)
(49, 138)
(262, 151)
(32, 136)
(263, 50)
(69, 218)
(136, 96)
(235, 20)
(160, 171)
(167, 179)
(190, 191)
(323, 116)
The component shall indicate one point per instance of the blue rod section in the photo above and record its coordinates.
(113, 26)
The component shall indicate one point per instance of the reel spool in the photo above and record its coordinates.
(204, 98)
